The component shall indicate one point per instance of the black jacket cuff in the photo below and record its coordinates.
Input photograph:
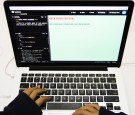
(23, 105)
(104, 111)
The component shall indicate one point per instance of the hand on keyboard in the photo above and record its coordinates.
(34, 92)
(89, 109)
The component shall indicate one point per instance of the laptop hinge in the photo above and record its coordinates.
(69, 68)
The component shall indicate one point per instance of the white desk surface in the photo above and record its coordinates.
(128, 71)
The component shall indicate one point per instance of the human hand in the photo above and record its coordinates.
(33, 92)
(89, 109)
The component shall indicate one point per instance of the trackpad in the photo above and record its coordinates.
(58, 112)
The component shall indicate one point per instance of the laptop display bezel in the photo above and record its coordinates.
(130, 5)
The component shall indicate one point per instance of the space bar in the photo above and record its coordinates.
(63, 106)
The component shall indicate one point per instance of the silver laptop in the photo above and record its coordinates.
(72, 48)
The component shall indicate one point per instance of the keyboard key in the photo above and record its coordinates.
(105, 75)
(88, 92)
(53, 85)
(85, 75)
(48, 92)
(103, 80)
(61, 92)
(64, 75)
(111, 98)
(100, 86)
(23, 79)
(36, 79)
(98, 75)
(69, 79)
(114, 86)
(109, 106)
(24, 85)
(107, 86)
(81, 92)
(92, 98)
(54, 92)
(46, 85)
(76, 80)
(71, 98)
(102, 92)
(24, 74)
(111, 80)
(31, 74)
(43, 79)
(33, 85)
(73, 86)
(74, 92)
(89, 80)
(95, 92)
(117, 108)
(63, 79)
(45, 74)
(96, 80)
(58, 75)
(30, 79)
(67, 92)
(51, 75)
(112, 75)
(56, 79)
(57, 98)
(78, 75)
(80, 86)
(112, 92)
(83, 80)
(99, 98)
(78, 98)
(64, 98)
(86, 86)
(71, 75)
(93, 86)
(66, 86)
(60, 85)
(85, 98)
(38, 74)
(49, 79)
(63, 106)
(91, 75)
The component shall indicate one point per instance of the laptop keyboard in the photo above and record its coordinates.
(71, 91)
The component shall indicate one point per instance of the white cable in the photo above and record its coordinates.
(9, 74)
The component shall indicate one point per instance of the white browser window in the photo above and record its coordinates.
(85, 37)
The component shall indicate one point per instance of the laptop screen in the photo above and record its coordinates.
(67, 34)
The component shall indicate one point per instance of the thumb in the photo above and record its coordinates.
(42, 100)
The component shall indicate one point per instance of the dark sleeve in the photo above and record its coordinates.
(22, 105)
(104, 111)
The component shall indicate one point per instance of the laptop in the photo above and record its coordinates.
(73, 49)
